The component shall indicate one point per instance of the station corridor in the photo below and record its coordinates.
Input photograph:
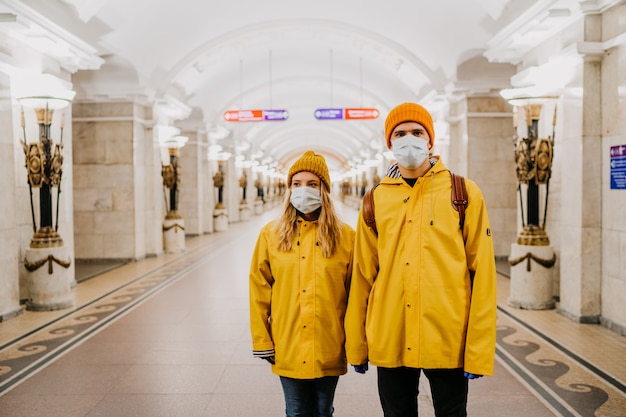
(169, 336)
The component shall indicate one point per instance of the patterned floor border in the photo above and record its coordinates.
(23, 357)
(569, 386)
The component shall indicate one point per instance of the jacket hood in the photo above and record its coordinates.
(393, 176)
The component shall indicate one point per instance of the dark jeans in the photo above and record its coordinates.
(398, 389)
(309, 397)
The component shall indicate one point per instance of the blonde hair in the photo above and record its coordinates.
(329, 231)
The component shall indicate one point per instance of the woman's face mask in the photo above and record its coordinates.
(410, 151)
(306, 199)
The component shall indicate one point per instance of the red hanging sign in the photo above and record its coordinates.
(361, 113)
(255, 115)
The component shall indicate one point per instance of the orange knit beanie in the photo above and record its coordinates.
(311, 162)
(409, 112)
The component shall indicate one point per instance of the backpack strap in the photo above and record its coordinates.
(369, 215)
(459, 197)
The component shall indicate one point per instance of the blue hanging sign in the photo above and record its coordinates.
(275, 114)
(618, 167)
(350, 113)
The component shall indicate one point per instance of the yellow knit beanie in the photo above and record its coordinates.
(311, 162)
(409, 112)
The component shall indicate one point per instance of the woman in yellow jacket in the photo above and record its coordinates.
(299, 280)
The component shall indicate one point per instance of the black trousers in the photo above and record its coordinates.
(398, 389)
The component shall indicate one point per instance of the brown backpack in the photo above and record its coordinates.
(459, 202)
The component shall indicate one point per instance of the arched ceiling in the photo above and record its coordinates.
(284, 54)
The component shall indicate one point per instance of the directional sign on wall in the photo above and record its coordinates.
(255, 115)
(618, 167)
(354, 113)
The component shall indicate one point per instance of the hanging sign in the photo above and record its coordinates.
(255, 115)
(275, 114)
(618, 167)
(328, 114)
(347, 114)
(360, 113)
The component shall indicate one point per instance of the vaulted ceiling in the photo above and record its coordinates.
(294, 55)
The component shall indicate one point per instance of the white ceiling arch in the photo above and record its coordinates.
(299, 65)
(213, 56)
(300, 39)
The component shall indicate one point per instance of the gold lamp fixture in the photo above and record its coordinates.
(533, 159)
(44, 163)
(171, 174)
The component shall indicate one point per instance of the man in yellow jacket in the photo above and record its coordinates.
(423, 290)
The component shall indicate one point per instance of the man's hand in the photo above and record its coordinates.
(361, 368)
(471, 376)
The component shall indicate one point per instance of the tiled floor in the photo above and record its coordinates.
(168, 336)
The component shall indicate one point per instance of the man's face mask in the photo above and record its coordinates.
(410, 151)
(306, 199)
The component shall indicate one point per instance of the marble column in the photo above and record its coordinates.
(232, 191)
(480, 148)
(190, 203)
(581, 209)
(117, 182)
(613, 312)
(9, 230)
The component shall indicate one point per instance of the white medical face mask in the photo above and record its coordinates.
(306, 199)
(410, 151)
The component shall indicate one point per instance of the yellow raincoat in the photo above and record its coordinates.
(298, 302)
(412, 300)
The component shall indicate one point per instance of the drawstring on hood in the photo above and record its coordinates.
(394, 172)
(432, 216)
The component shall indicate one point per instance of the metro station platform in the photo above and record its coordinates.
(169, 336)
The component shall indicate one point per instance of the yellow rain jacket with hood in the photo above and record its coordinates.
(423, 292)
(298, 302)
